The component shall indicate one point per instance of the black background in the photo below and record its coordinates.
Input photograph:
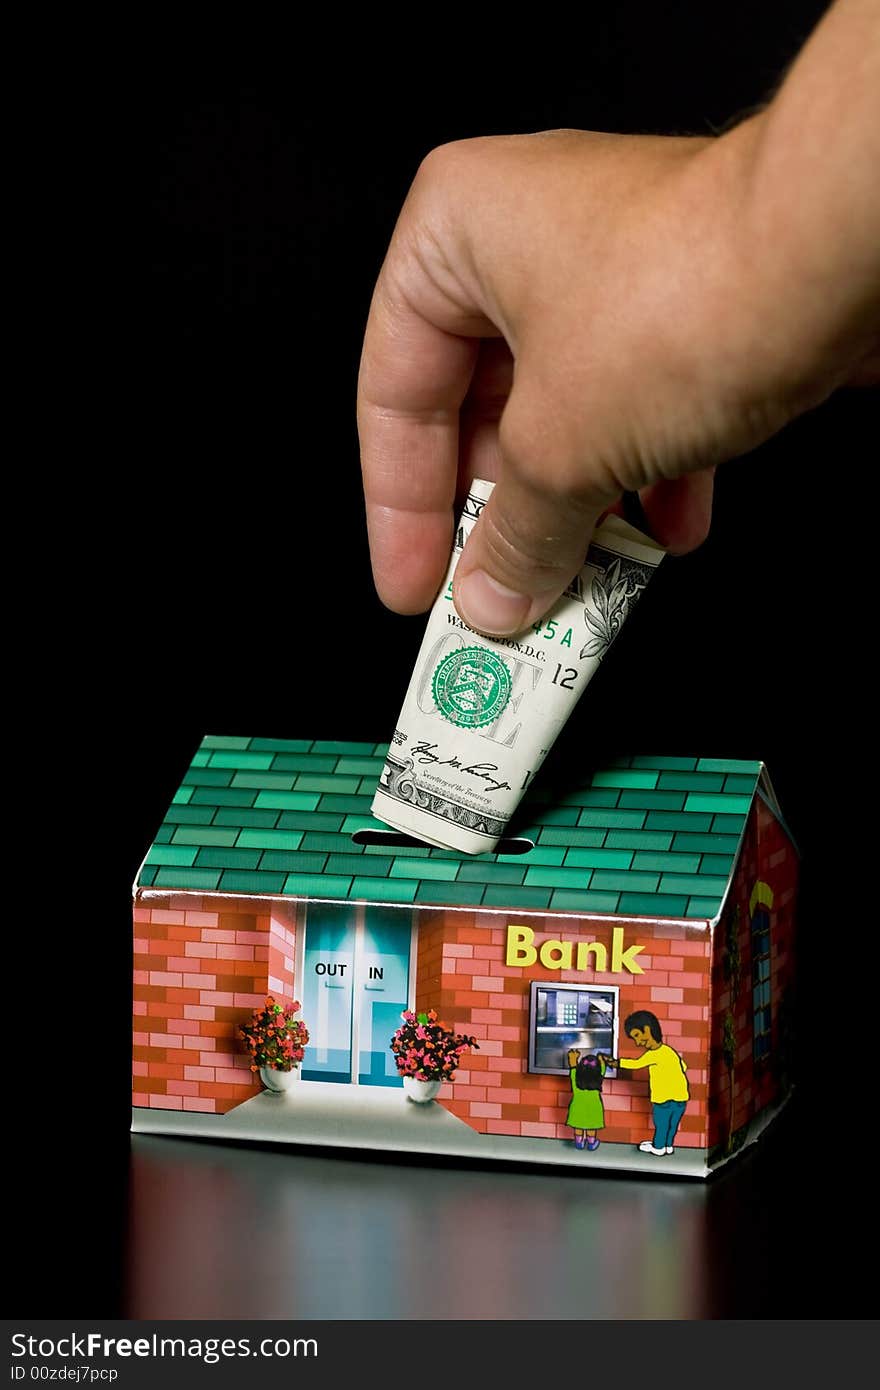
(216, 579)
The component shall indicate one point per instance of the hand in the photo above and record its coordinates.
(666, 303)
(572, 1057)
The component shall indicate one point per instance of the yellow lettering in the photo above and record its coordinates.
(520, 950)
(595, 949)
(556, 955)
(624, 960)
(560, 955)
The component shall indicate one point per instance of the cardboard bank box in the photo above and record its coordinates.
(646, 915)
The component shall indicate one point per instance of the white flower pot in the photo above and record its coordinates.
(420, 1091)
(279, 1081)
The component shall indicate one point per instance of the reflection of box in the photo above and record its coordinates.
(655, 897)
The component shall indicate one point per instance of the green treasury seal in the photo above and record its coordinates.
(471, 687)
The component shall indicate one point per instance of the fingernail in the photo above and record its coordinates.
(490, 607)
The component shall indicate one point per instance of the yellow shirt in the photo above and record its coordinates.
(666, 1073)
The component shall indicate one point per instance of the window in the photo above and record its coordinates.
(565, 1016)
(761, 1009)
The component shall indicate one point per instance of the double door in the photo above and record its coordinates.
(355, 984)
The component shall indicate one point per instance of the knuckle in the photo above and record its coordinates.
(457, 168)
(431, 167)
(442, 162)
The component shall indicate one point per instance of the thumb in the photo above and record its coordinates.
(529, 543)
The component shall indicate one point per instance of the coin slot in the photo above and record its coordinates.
(394, 839)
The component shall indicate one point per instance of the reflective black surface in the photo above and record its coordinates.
(223, 1232)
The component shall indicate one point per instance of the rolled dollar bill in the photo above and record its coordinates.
(482, 713)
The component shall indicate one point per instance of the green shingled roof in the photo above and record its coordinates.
(641, 837)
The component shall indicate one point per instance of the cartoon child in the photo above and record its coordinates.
(666, 1079)
(586, 1113)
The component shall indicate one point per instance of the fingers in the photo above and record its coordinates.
(679, 510)
(413, 379)
(479, 452)
(533, 533)
(528, 545)
(521, 555)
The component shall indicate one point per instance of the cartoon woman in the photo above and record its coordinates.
(667, 1079)
(586, 1113)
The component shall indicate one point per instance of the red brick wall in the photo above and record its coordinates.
(767, 856)
(462, 974)
(200, 965)
(778, 866)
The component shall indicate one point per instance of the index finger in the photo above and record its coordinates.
(413, 379)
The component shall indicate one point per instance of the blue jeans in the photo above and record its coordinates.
(667, 1118)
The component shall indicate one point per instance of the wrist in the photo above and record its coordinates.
(807, 226)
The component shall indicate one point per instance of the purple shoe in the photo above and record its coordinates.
(580, 1141)
(592, 1145)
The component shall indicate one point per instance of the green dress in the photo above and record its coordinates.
(586, 1110)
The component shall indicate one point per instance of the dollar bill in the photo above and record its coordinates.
(482, 713)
